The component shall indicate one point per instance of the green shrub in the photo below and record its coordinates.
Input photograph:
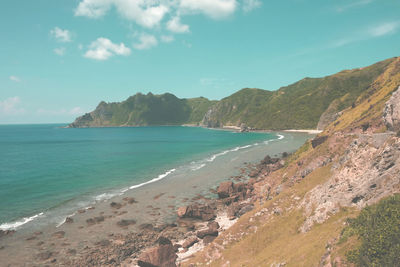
(378, 228)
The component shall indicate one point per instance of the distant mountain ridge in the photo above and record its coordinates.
(307, 104)
(144, 110)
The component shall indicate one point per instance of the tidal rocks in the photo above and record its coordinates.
(115, 205)
(4, 233)
(95, 220)
(69, 220)
(130, 200)
(163, 255)
(59, 234)
(126, 223)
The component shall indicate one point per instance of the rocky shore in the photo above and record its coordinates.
(203, 221)
(197, 224)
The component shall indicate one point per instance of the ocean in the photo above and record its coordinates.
(47, 171)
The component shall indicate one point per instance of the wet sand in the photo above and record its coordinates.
(154, 204)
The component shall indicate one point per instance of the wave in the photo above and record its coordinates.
(213, 157)
(15, 225)
(198, 167)
(161, 176)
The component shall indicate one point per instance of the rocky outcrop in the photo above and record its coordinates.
(330, 115)
(367, 171)
(391, 113)
(163, 255)
(225, 189)
(318, 141)
(197, 211)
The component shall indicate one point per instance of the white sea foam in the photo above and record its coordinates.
(61, 223)
(198, 167)
(15, 225)
(104, 196)
(161, 176)
(213, 157)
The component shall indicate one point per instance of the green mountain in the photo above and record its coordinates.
(297, 106)
(143, 110)
(307, 104)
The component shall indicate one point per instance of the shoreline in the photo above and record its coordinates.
(119, 215)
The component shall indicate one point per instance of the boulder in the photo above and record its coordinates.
(162, 255)
(212, 230)
(225, 189)
(203, 212)
(115, 205)
(239, 187)
(213, 225)
(182, 212)
(190, 242)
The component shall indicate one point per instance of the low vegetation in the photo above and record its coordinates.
(378, 229)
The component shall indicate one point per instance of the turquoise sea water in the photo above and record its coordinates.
(45, 167)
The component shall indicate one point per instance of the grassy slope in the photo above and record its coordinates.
(277, 238)
(297, 106)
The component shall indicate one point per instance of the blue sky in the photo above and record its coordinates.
(59, 59)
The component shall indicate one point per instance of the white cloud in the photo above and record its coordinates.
(147, 13)
(146, 41)
(76, 111)
(10, 106)
(249, 5)
(369, 33)
(353, 5)
(73, 111)
(213, 8)
(103, 49)
(384, 29)
(167, 38)
(59, 51)
(175, 25)
(61, 35)
(15, 79)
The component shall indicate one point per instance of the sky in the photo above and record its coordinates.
(59, 59)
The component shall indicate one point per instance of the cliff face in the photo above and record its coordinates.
(302, 208)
